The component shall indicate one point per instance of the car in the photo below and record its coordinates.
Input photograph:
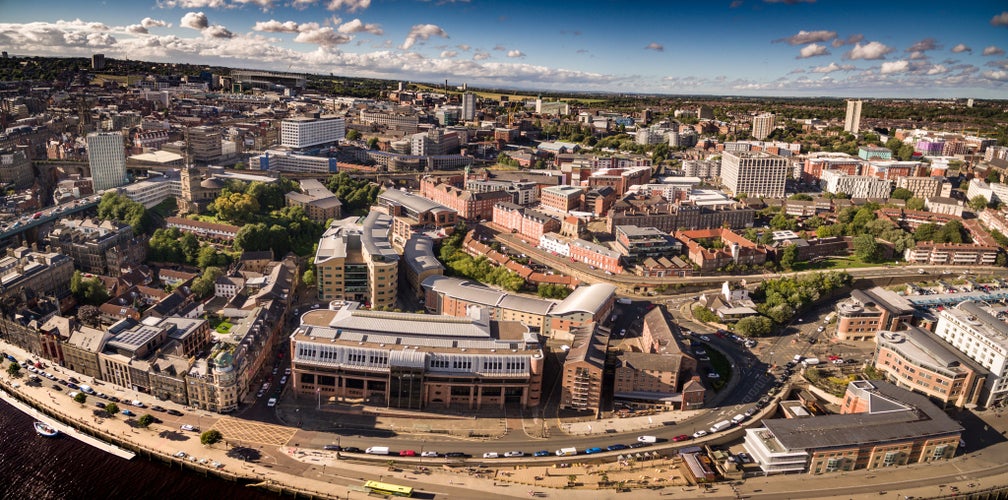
(283, 380)
(286, 371)
(275, 370)
(750, 343)
(157, 408)
(57, 387)
(265, 386)
(700, 352)
(114, 399)
(511, 454)
(491, 454)
(705, 338)
(699, 434)
(432, 454)
(407, 453)
(457, 454)
(352, 449)
(820, 329)
(745, 458)
(638, 444)
(616, 447)
(703, 358)
(187, 427)
(838, 361)
(332, 447)
(681, 437)
(128, 413)
(100, 405)
(812, 341)
(272, 402)
(713, 374)
(174, 412)
(622, 332)
(181, 454)
(590, 451)
(138, 403)
(750, 412)
(541, 453)
(63, 382)
(73, 380)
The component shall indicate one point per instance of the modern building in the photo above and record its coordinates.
(917, 360)
(419, 263)
(107, 159)
(958, 254)
(819, 162)
(762, 125)
(644, 210)
(874, 153)
(639, 243)
(305, 132)
(415, 361)
(204, 144)
(981, 334)
(318, 202)
(852, 120)
(583, 367)
(857, 186)
(879, 426)
(522, 192)
(356, 262)
(925, 187)
(412, 214)
(468, 106)
(560, 198)
(868, 312)
(754, 174)
(288, 161)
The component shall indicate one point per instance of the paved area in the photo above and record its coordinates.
(254, 432)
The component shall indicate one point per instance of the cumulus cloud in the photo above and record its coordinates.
(655, 46)
(895, 67)
(962, 47)
(274, 26)
(803, 37)
(1000, 20)
(348, 5)
(325, 36)
(193, 4)
(515, 53)
(481, 56)
(264, 4)
(195, 20)
(869, 51)
(812, 50)
(918, 55)
(422, 32)
(136, 29)
(923, 45)
(1001, 76)
(831, 67)
(217, 31)
(448, 54)
(358, 26)
(937, 69)
(148, 22)
(851, 40)
(993, 51)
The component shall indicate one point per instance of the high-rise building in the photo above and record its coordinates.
(306, 132)
(468, 106)
(204, 144)
(754, 173)
(107, 158)
(762, 125)
(852, 121)
(98, 61)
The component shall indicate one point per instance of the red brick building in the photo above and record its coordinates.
(526, 222)
(594, 255)
(469, 205)
(734, 249)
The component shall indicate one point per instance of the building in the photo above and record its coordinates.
(917, 360)
(643, 210)
(868, 312)
(522, 192)
(201, 229)
(944, 205)
(762, 125)
(287, 161)
(958, 254)
(41, 273)
(857, 186)
(619, 179)
(734, 249)
(524, 221)
(880, 425)
(80, 352)
(852, 120)
(993, 192)
(924, 187)
(560, 199)
(356, 262)
(415, 361)
(468, 106)
(754, 174)
(581, 382)
(318, 202)
(97, 62)
(704, 169)
(305, 132)
(391, 121)
(419, 263)
(980, 334)
(874, 153)
(817, 163)
(468, 205)
(204, 144)
(16, 169)
(107, 159)
(595, 255)
(415, 214)
(639, 243)
(96, 246)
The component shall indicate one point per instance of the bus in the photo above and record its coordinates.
(388, 489)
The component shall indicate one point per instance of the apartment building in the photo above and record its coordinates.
(469, 205)
(704, 169)
(415, 361)
(44, 273)
(318, 202)
(413, 214)
(644, 210)
(524, 221)
(16, 169)
(892, 170)
(201, 229)
(356, 262)
(852, 119)
(995, 220)
(982, 335)
(754, 174)
(203, 144)
(305, 132)
(857, 186)
(619, 179)
(96, 246)
(917, 360)
(595, 255)
(581, 381)
(735, 249)
(944, 205)
(762, 125)
(817, 163)
(993, 192)
(868, 312)
(925, 187)
(639, 243)
(958, 254)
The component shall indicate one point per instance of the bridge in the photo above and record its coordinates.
(11, 232)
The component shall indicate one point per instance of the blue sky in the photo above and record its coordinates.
(744, 47)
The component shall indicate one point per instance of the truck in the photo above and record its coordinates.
(625, 301)
(647, 439)
(377, 450)
(720, 426)
(810, 361)
(566, 452)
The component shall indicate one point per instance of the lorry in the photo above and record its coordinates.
(566, 452)
(720, 426)
(810, 361)
(647, 439)
(377, 450)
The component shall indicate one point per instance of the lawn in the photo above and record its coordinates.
(223, 327)
(833, 263)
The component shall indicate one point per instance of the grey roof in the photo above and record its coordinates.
(886, 299)
(413, 202)
(925, 348)
(375, 237)
(894, 414)
(526, 304)
(134, 337)
(475, 293)
(587, 299)
(589, 345)
(89, 339)
(419, 254)
(649, 361)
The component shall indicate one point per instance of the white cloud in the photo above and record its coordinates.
(655, 46)
(195, 20)
(851, 40)
(463, 47)
(148, 22)
(448, 54)
(895, 67)
(869, 51)
(326, 36)
(962, 47)
(217, 31)
(918, 55)
(993, 50)
(923, 45)
(274, 26)
(812, 50)
(1001, 76)
(193, 4)
(937, 69)
(265, 5)
(515, 53)
(831, 67)
(803, 37)
(1000, 20)
(481, 56)
(348, 5)
(358, 26)
(422, 32)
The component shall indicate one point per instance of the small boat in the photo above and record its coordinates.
(44, 429)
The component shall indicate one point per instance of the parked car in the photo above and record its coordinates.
(491, 454)
(542, 453)
(332, 447)
(681, 437)
(128, 413)
(616, 447)
(510, 454)
(272, 402)
(352, 449)
(174, 412)
(429, 453)
(187, 427)
(157, 408)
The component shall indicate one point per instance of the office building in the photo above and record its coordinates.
(754, 174)
(412, 214)
(852, 120)
(356, 262)
(868, 312)
(96, 246)
(762, 125)
(419, 263)
(318, 202)
(917, 360)
(560, 199)
(304, 132)
(980, 334)
(107, 159)
(468, 106)
(204, 144)
(874, 153)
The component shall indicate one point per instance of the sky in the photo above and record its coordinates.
(844, 48)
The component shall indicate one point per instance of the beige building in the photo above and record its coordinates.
(80, 353)
(357, 263)
(318, 202)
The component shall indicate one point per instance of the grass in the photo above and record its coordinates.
(167, 208)
(223, 327)
(720, 364)
(834, 263)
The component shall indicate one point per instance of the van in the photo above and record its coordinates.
(810, 361)
(737, 419)
(377, 450)
(566, 452)
(623, 300)
(720, 426)
(647, 439)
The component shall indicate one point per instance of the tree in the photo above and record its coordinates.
(704, 314)
(111, 408)
(553, 291)
(978, 203)
(754, 326)
(89, 315)
(800, 197)
(902, 194)
(145, 420)
(80, 397)
(915, 204)
(789, 256)
(372, 143)
(865, 248)
(993, 176)
(203, 286)
(14, 370)
(210, 437)
(308, 278)
(353, 135)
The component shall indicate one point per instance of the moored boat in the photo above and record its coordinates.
(44, 429)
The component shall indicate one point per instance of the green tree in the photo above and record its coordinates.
(111, 408)
(704, 314)
(754, 326)
(372, 143)
(902, 194)
(353, 135)
(993, 176)
(553, 291)
(978, 203)
(14, 370)
(145, 420)
(210, 437)
(80, 397)
(789, 256)
(866, 248)
(915, 204)
(800, 197)
(308, 277)
(203, 286)
(114, 206)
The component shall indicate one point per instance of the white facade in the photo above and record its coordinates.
(755, 174)
(993, 192)
(852, 120)
(762, 125)
(307, 132)
(771, 455)
(705, 169)
(977, 333)
(468, 106)
(151, 192)
(858, 186)
(107, 158)
(552, 242)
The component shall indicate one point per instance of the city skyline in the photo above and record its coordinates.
(741, 47)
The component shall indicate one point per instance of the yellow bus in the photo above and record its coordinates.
(388, 489)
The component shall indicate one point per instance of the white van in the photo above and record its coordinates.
(720, 426)
(647, 439)
(810, 361)
(377, 450)
(737, 419)
(566, 452)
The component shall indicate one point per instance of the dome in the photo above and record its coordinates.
(212, 183)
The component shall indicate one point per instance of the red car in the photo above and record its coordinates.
(407, 453)
(681, 437)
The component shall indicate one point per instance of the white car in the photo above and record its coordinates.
(429, 454)
(713, 375)
(510, 454)
(272, 402)
(699, 434)
(187, 427)
(180, 454)
(491, 454)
